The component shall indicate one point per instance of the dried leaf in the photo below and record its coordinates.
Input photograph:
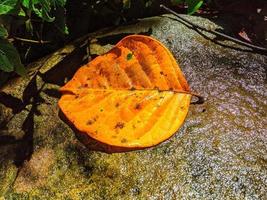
(134, 96)
(244, 35)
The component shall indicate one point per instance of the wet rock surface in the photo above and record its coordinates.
(219, 153)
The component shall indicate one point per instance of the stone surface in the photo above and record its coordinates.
(219, 153)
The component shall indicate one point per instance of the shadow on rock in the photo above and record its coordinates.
(64, 69)
(30, 98)
(218, 39)
(12, 102)
(114, 39)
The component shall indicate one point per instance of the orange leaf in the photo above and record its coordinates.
(134, 96)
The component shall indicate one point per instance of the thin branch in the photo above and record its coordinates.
(213, 31)
(31, 41)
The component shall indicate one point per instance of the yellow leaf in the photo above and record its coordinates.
(134, 96)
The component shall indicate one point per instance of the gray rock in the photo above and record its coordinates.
(219, 153)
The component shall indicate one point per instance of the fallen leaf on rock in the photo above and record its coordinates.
(244, 35)
(134, 96)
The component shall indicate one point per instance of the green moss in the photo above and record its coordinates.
(8, 173)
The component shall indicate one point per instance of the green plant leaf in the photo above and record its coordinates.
(3, 32)
(126, 4)
(5, 64)
(21, 70)
(60, 20)
(29, 27)
(193, 6)
(66, 30)
(26, 4)
(41, 8)
(61, 3)
(9, 58)
(7, 5)
(21, 13)
(43, 12)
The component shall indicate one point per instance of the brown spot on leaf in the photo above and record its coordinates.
(119, 125)
(124, 140)
(138, 106)
(90, 122)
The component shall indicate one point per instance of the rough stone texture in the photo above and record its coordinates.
(219, 153)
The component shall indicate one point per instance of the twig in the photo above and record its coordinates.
(32, 41)
(213, 31)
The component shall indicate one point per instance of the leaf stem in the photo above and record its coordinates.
(200, 99)
(32, 41)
